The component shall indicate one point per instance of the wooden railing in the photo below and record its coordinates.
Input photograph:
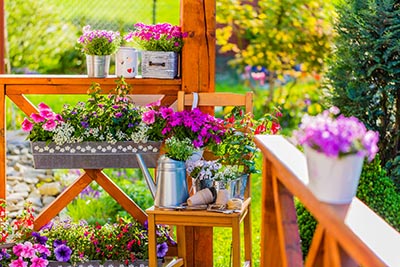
(346, 235)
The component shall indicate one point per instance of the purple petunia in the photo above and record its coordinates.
(63, 253)
(162, 249)
(336, 135)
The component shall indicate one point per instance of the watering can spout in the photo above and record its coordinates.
(147, 175)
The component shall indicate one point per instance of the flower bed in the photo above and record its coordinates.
(65, 243)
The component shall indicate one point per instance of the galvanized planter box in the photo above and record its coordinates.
(159, 64)
(94, 155)
(94, 263)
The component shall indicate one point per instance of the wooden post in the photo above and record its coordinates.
(198, 54)
(198, 75)
(2, 38)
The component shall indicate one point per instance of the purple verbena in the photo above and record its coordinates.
(336, 135)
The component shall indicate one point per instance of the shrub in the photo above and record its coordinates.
(363, 76)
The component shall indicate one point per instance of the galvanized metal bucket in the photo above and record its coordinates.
(98, 66)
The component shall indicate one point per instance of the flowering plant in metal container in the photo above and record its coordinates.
(99, 42)
(158, 37)
(336, 136)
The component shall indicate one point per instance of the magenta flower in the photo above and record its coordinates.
(50, 125)
(27, 125)
(37, 118)
(149, 117)
(39, 262)
(43, 106)
(19, 263)
(47, 114)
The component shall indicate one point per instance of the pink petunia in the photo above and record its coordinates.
(39, 262)
(149, 117)
(37, 118)
(50, 125)
(43, 106)
(27, 125)
(18, 263)
(47, 114)
(28, 251)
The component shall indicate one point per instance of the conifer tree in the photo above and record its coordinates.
(364, 74)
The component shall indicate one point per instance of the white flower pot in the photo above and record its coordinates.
(333, 180)
(126, 62)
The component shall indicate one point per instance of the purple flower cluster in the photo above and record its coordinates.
(200, 127)
(99, 42)
(336, 135)
(158, 37)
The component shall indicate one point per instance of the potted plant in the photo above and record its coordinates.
(203, 172)
(98, 46)
(335, 147)
(160, 45)
(84, 135)
(237, 146)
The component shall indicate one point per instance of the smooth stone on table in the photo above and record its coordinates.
(333, 180)
(98, 66)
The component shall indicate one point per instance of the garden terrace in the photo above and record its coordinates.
(346, 236)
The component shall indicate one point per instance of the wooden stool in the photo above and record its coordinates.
(182, 218)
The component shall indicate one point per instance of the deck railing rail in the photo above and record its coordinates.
(346, 235)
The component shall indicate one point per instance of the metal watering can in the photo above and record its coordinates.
(171, 189)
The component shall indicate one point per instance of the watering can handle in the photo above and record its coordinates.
(195, 100)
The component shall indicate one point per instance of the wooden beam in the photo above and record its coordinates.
(198, 54)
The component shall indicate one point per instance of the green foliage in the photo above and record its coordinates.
(378, 191)
(36, 44)
(375, 189)
(307, 225)
(96, 205)
(363, 79)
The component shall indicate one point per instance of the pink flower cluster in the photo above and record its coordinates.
(27, 252)
(158, 37)
(46, 118)
(88, 35)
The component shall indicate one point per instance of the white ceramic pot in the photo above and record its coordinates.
(333, 180)
(126, 62)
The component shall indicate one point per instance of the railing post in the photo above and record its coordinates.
(280, 242)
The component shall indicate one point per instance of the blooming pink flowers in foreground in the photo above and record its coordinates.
(336, 135)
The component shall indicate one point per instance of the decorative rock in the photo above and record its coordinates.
(36, 201)
(50, 189)
(31, 180)
(19, 167)
(47, 200)
(22, 187)
(45, 178)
